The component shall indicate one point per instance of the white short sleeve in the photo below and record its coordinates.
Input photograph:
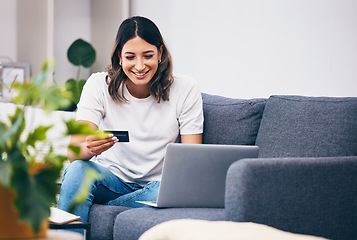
(191, 114)
(90, 106)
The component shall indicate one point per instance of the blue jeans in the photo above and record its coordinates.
(110, 190)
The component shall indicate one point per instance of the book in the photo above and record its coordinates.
(59, 216)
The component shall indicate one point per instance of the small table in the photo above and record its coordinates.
(74, 225)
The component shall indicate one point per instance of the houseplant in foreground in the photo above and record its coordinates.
(28, 186)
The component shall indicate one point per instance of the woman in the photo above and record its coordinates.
(139, 94)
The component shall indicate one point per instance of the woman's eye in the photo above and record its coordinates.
(129, 57)
(148, 56)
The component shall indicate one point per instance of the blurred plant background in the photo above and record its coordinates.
(80, 54)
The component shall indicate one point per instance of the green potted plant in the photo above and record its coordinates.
(28, 187)
(80, 53)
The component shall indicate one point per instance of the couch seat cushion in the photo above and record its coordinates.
(231, 121)
(101, 218)
(297, 126)
(131, 224)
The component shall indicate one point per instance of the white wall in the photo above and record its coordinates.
(33, 24)
(72, 20)
(235, 48)
(258, 48)
(95, 21)
(34, 30)
(8, 34)
(106, 19)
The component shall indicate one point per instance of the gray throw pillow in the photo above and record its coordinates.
(231, 121)
(297, 126)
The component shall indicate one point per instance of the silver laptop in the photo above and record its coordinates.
(194, 175)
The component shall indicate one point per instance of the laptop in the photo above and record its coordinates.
(194, 175)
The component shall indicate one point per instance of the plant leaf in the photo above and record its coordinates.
(75, 87)
(28, 93)
(81, 53)
(48, 67)
(75, 149)
(39, 134)
(35, 194)
(56, 98)
(5, 173)
(12, 135)
(71, 85)
(74, 127)
(80, 85)
(55, 160)
(3, 129)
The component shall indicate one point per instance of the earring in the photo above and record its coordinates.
(159, 60)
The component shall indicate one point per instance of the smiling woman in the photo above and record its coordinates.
(140, 53)
(140, 95)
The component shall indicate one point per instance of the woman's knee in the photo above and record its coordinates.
(77, 165)
(153, 185)
(152, 189)
(75, 170)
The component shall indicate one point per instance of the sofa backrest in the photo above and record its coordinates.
(231, 121)
(297, 126)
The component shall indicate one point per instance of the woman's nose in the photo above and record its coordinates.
(140, 65)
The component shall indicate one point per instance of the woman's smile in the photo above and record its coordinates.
(140, 75)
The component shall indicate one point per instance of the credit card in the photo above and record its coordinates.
(122, 136)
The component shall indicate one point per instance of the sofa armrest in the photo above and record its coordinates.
(316, 196)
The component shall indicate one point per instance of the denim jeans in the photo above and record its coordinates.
(110, 190)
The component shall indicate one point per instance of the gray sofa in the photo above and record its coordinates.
(304, 181)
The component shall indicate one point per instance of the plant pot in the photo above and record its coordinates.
(10, 226)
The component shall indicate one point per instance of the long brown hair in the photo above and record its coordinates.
(148, 31)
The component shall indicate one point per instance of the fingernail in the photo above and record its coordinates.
(110, 135)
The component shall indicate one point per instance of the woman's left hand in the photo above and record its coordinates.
(97, 146)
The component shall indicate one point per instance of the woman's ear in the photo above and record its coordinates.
(160, 51)
(119, 57)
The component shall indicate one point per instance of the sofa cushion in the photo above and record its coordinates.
(297, 126)
(231, 121)
(101, 218)
(131, 224)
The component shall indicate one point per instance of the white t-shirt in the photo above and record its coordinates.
(151, 125)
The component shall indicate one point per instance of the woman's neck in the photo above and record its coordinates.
(138, 91)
